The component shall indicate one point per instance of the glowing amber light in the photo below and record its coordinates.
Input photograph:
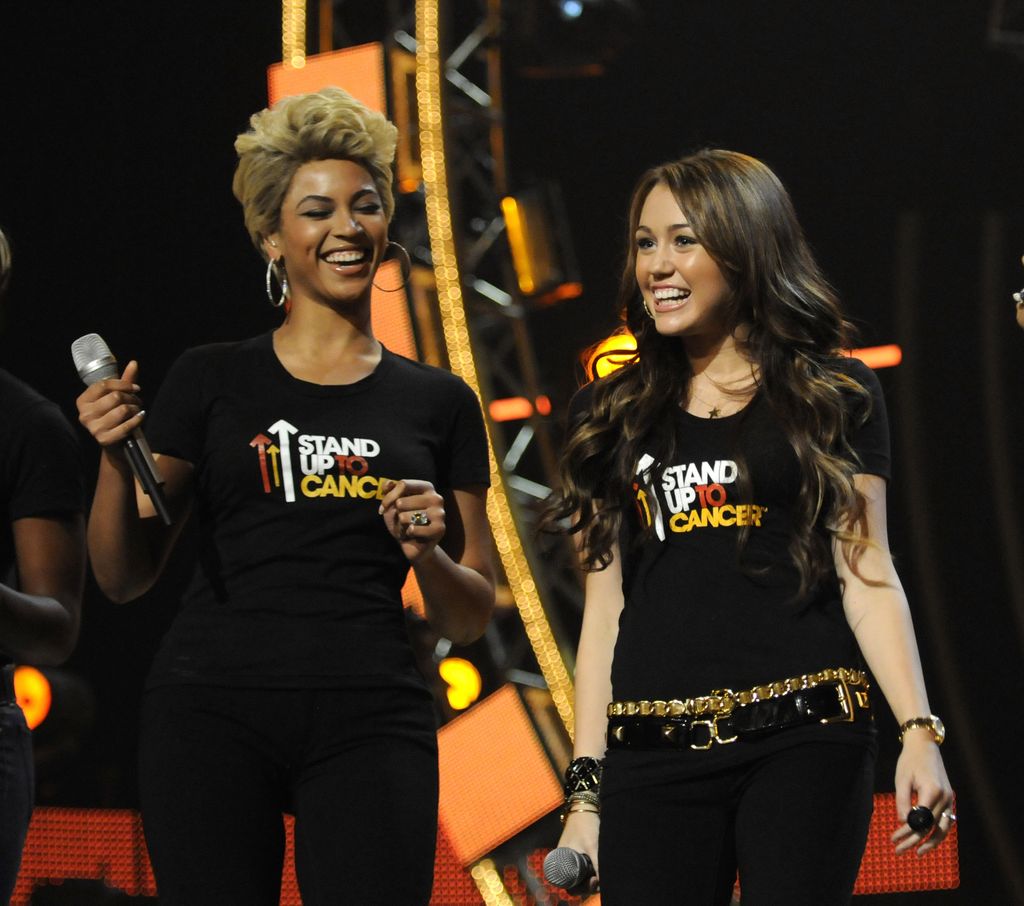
(611, 354)
(32, 690)
(888, 356)
(517, 407)
(463, 681)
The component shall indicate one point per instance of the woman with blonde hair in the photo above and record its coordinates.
(320, 467)
(727, 490)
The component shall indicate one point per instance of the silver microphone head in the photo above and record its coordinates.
(567, 868)
(93, 358)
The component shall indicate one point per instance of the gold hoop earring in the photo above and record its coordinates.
(405, 265)
(643, 302)
(282, 279)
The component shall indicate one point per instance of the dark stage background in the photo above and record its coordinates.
(897, 127)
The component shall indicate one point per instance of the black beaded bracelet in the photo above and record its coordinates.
(583, 774)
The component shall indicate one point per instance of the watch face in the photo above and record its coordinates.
(939, 729)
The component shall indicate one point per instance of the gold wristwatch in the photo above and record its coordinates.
(931, 722)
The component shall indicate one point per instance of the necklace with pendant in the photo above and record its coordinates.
(713, 411)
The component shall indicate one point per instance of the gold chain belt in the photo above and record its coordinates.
(721, 702)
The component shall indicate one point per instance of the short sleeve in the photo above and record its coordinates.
(45, 468)
(175, 425)
(467, 461)
(870, 440)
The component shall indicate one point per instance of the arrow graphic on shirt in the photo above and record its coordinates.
(273, 450)
(282, 429)
(260, 442)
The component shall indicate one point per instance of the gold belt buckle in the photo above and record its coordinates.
(713, 736)
(845, 702)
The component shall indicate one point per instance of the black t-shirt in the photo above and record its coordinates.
(40, 466)
(698, 616)
(298, 581)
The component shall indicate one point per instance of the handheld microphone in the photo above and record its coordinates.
(95, 362)
(567, 868)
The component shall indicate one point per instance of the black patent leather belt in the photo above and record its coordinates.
(831, 701)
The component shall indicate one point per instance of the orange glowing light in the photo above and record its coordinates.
(32, 690)
(463, 679)
(888, 356)
(611, 354)
(514, 408)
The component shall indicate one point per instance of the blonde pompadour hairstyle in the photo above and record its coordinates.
(328, 124)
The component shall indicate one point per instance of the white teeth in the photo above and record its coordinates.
(346, 257)
(671, 293)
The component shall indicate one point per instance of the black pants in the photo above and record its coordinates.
(794, 823)
(17, 779)
(358, 770)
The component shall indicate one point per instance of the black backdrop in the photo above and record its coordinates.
(896, 126)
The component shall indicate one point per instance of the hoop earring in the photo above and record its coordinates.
(405, 264)
(643, 302)
(282, 279)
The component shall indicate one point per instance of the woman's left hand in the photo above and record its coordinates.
(921, 780)
(414, 514)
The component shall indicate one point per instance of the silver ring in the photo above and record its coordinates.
(419, 518)
(950, 815)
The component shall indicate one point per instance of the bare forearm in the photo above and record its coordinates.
(458, 598)
(122, 559)
(885, 633)
(593, 693)
(594, 658)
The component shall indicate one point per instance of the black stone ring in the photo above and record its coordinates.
(920, 818)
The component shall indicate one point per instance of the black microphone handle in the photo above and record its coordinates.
(137, 460)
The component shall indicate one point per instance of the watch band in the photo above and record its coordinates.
(931, 723)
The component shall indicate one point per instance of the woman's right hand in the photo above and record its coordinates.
(580, 833)
(111, 409)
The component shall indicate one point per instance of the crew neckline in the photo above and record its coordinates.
(308, 388)
(722, 419)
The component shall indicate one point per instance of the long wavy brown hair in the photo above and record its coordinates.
(794, 331)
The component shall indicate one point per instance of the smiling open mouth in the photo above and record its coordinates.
(671, 294)
(348, 257)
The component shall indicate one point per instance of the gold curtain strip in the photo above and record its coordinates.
(293, 33)
(456, 334)
(485, 875)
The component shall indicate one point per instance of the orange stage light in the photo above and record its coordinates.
(516, 408)
(34, 695)
(493, 747)
(888, 356)
(611, 354)
(463, 679)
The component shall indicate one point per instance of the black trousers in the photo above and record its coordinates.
(17, 781)
(357, 768)
(794, 824)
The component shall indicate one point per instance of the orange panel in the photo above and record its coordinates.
(883, 871)
(496, 778)
(359, 70)
(392, 323)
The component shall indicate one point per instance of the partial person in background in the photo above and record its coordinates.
(42, 570)
(1019, 299)
(321, 467)
(728, 491)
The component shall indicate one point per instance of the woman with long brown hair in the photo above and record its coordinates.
(727, 491)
